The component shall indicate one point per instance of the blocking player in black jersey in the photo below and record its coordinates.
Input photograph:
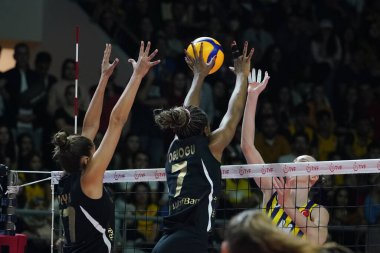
(285, 200)
(194, 158)
(86, 208)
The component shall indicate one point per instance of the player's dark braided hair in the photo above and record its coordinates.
(185, 121)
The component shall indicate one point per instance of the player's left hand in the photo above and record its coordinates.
(144, 62)
(242, 64)
(197, 64)
(107, 67)
(255, 84)
(284, 191)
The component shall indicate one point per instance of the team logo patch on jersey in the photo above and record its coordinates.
(305, 212)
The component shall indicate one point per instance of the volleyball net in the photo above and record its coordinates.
(348, 189)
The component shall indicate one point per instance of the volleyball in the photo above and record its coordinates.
(211, 48)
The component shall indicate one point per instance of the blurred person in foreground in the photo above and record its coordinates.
(251, 231)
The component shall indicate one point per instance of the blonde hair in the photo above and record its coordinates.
(252, 231)
(304, 158)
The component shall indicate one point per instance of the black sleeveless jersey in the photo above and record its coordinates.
(88, 223)
(194, 181)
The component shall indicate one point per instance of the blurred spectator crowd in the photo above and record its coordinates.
(323, 99)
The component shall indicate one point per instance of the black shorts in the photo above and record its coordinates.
(182, 241)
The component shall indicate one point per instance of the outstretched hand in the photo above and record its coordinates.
(197, 64)
(144, 63)
(255, 84)
(242, 64)
(107, 67)
(284, 191)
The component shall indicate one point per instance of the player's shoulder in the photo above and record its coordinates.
(320, 212)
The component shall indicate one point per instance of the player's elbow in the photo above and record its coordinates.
(317, 235)
(117, 119)
(246, 147)
(322, 238)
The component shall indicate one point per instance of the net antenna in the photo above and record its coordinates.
(76, 80)
(76, 104)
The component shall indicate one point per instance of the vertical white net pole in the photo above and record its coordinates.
(76, 81)
(52, 216)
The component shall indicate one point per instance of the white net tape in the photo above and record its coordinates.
(230, 172)
(249, 170)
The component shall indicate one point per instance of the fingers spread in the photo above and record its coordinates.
(282, 181)
(235, 50)
(115, 62)
(141, 48)
(201, 51)
(105, 50)
(250, 54)
(106, 55)
(109, 48)
(276, 185)
(146, 52)
(194, 51)
(189, 57)
(211, 63)
(266, 78)
(291, 181)
(152, 55)
(245, 49)
(189, 62)
(259, 76)
(154, 63)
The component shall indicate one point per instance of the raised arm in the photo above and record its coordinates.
(252, 155)
(92, 179)
(221, 137)
(200, 70)
(92, 118)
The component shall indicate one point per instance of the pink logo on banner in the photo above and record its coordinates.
(243, 171)
(378, 165)
(333, 167)
(310, 168)
(117, 176)
(358, 166)
(159, 174)
(139, 175)
(265, 170)
(225, 172)
(288, 168)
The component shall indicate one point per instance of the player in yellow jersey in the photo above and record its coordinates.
(285, 200)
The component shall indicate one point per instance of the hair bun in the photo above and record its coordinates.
(60, 140)
(180, 117)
